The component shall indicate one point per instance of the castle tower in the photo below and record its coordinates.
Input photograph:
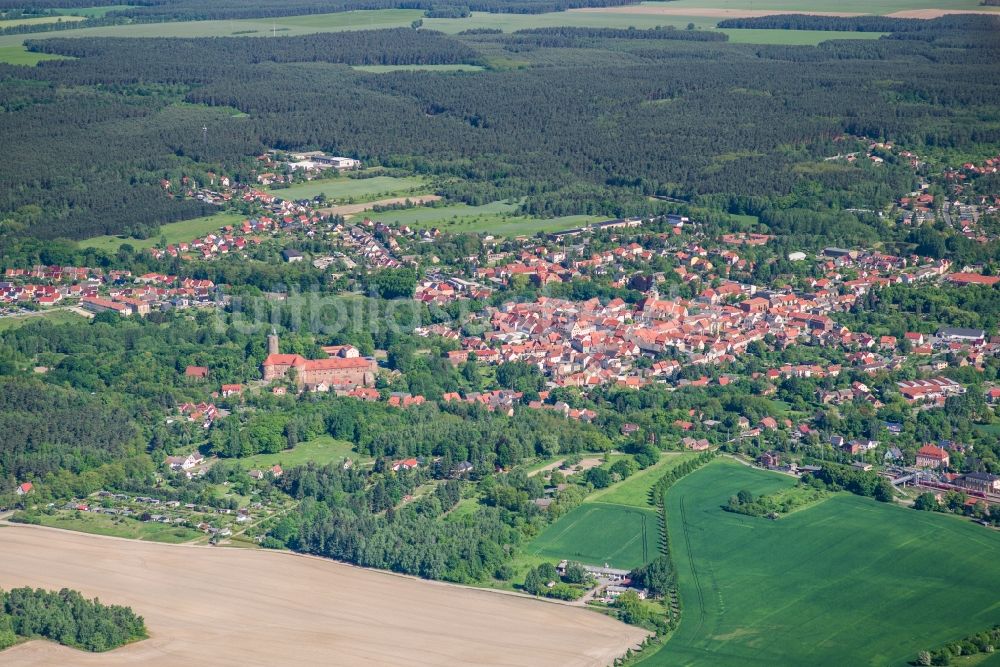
(272, 342)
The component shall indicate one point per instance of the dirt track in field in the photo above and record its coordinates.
(218, 606)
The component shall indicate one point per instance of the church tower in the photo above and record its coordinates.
(272, 342)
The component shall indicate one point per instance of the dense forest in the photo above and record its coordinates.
(744, 124)
(66, 617)
(190, 10)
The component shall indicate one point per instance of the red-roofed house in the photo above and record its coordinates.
(931, 456)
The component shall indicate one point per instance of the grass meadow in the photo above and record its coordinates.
(848, 581)
(361, 189)
(174, 232)
(497, 218)
(321, 450)
(100, 524)
(635, 490)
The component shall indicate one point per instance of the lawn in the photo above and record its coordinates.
(845, 582)
(321, 450)
(634, 491)
(52, 316)
(497, 218)
(360, 189)
(174, 232)
(100, 524)
(597, 533)
(382, 69)
(18, 55)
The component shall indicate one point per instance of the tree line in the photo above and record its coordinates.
(68, 618)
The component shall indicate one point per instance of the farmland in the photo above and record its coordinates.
(321, 450)
(634, 491)
(597, 533)
(793, 37)
(757, 7)
(292, 609)
(174, 232)
(14, 23)
(932, 579)
(355, 189)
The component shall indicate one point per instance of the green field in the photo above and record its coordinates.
(396, 18)
(634, 491)
(382, 69)
(360, 189)
(283, 25)
(498, 218)
(52, 316)
(598, 533)
(18, 55)
(321, 450)
(367, 19)
(174, 232)
(794, 37)
(844, 6)
(13, 23)
(845, 582)
(90, 12)
(609, 19)
(100, 524)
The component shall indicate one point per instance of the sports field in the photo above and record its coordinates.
(597, 533)
(845, 582)
(174, 232)
(360, 189)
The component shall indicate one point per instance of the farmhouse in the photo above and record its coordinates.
(24, 489)
(185, 462)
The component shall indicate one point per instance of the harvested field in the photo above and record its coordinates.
(938, 13)
(705, 12)
(218, 606)
(351, 209)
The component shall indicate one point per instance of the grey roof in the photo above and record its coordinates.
(960, 332)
